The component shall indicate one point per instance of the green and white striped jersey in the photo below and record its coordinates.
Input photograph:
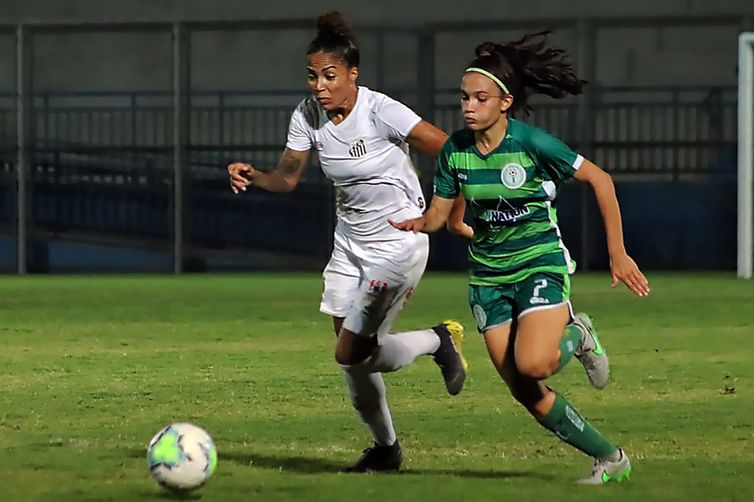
(509, 193)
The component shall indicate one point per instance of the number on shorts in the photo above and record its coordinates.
(541, 283)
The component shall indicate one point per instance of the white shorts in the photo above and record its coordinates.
(367, 283)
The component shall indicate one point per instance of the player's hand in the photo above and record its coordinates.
(414, 225)
(241, 176)
(625, 270)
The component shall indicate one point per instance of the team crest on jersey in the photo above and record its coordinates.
(479, 316)
(358, 149)
(513, 176)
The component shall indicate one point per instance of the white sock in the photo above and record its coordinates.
(397, 350)
(367, 392)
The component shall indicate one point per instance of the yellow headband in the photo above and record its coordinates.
(490, 76)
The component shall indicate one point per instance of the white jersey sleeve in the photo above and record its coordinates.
(300, 136)
(398, 118)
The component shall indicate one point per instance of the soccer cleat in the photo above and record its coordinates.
(378, 459)
(449, 356)
(590, 352)
(604, 471)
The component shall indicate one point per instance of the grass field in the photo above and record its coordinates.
(92, 367)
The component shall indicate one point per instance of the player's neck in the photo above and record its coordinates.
(340, 113)
(490, 138)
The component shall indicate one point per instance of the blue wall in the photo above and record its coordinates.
(672, 226)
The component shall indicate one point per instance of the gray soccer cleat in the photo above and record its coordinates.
(449, 356)
(590, 352)
(604, 471)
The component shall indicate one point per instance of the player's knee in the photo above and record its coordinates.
(344, 357)
(527, 395)
(353, 349)
(340, 358)
(538, 368)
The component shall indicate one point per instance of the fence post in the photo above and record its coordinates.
(585, 120)
(132, 103)
(675, 158)
(23, 110)
(425, 86)
(45, 119)
(180, 120)
(381, 66)
(221, 117)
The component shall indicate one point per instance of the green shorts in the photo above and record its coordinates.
(500, 304)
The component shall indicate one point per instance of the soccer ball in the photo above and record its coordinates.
(182, 457)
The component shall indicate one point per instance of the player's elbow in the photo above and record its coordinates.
(288, 184)
(600, 178)
(605, 177)
(460, 228)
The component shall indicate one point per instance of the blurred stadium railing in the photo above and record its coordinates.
(101, 166)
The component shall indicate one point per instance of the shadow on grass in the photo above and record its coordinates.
(167, 495)
(308, 465)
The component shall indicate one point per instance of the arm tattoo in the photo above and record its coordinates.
(289, 165)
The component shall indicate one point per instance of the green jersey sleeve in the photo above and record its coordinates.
(558, 160)
(446, 177)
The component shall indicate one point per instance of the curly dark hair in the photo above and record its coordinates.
(334, 36)
(529, 66)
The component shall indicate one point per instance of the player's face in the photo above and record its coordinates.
(482, 101)
(331, 82)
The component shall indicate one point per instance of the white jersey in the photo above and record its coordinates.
(367, 159)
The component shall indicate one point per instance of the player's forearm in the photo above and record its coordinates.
(273, 181)
(604, 191)
(433, 221)
(455, 224)
(437, 215)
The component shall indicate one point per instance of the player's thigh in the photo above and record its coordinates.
(537, 347)
(498, 342)
(542, 330)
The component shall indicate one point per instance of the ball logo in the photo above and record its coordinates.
(513, 176)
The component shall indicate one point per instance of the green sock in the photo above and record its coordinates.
(568, 344)
(566, 423)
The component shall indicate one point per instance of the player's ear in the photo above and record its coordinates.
(506, 103)
(353, 74)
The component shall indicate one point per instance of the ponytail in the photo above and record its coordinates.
(528, 66)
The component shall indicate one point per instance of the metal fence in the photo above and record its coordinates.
(147, 168)
(647, 130)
